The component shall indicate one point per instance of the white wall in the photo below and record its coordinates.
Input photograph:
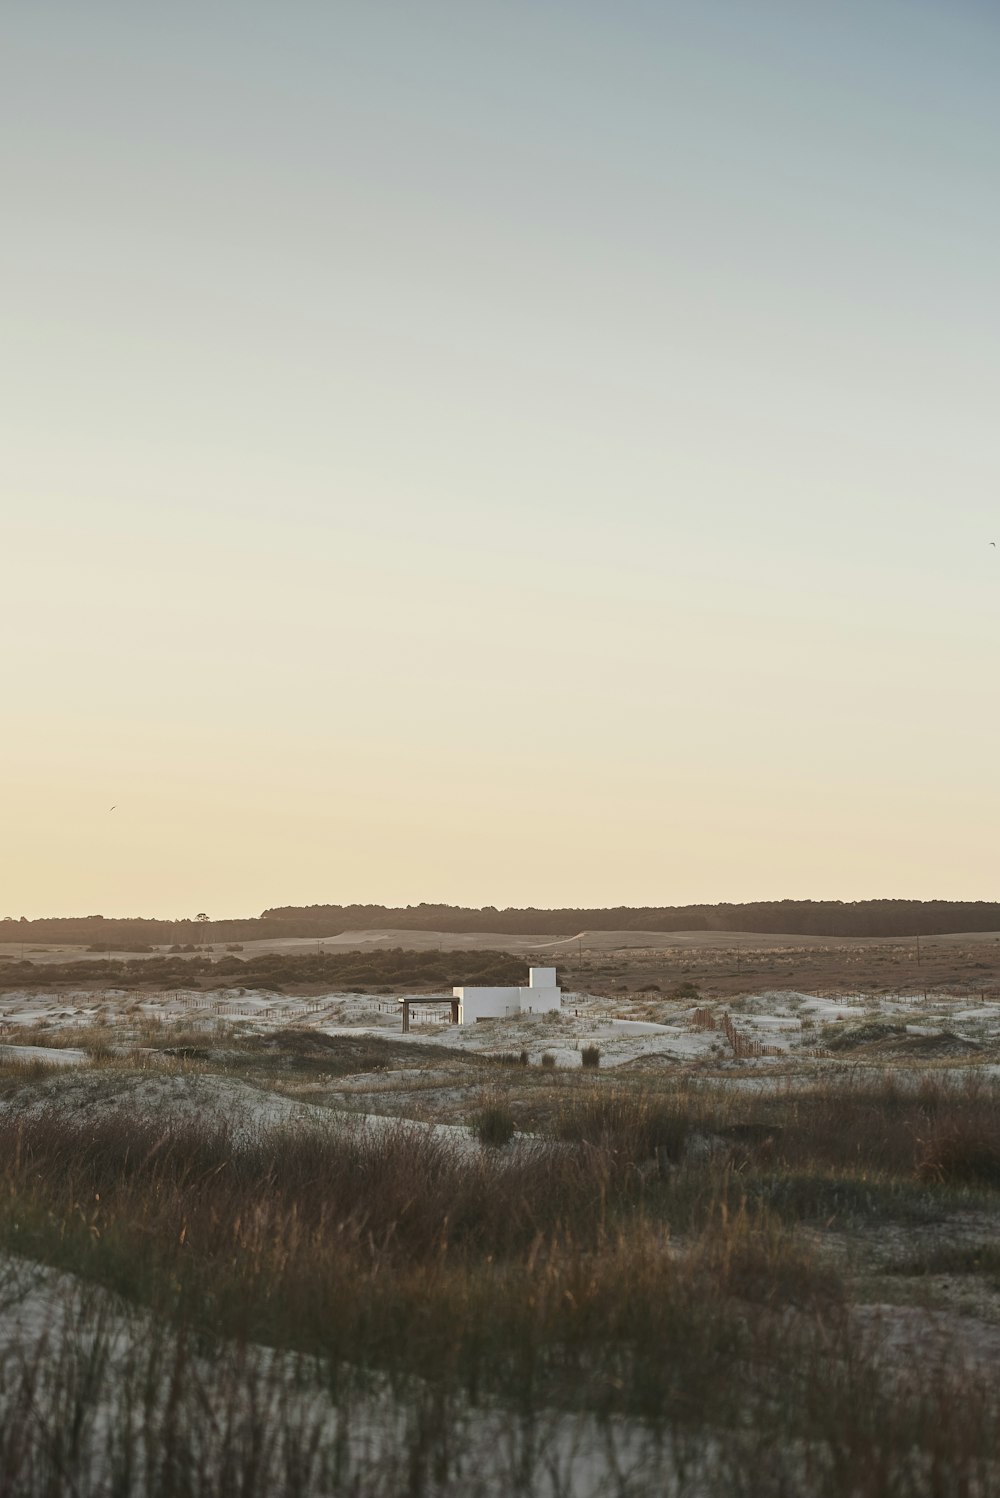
(497, 1003)
(540, 1000)
(543, 997)
(486, 1003)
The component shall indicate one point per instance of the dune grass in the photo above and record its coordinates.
(493, 1123)
(645, 1265)
(459, 1289)
(393, 1249)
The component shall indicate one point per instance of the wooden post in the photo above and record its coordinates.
(406, 1016)
(454, 1011)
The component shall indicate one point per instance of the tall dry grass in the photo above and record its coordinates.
(937, 1128)
(455, 1288)
(396, 1251)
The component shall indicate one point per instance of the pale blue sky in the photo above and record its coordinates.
(430, 428)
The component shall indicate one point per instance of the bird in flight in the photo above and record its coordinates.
(113, 808)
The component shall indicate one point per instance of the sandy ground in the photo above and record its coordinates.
(42, 1308)
(771, 1026)
(566, 1453)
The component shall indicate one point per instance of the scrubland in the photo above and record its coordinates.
(243, 1256)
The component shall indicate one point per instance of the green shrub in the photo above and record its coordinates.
(685, 991)
(493, 1124)
(836, 1038)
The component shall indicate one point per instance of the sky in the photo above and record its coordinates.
(525, 453)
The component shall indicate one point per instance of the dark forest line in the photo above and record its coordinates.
(859, 918)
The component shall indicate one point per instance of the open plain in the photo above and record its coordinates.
(499, 939)
(727, 1223)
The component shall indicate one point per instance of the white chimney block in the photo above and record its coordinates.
(542, 977)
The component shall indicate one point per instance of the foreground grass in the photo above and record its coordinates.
(513, 1275)
(646, 1267)
(119, 1406)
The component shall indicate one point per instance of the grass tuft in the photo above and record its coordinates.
(493, 1123)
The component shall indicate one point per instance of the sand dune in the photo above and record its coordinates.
(589, 941)
(586, 941)
(519, 945)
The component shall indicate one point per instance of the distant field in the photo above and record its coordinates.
(720, 964)
(463, 941)
(555, 946)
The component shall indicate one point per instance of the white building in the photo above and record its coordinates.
(541, 996)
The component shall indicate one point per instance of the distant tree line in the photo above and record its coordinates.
(792, 917)
(128, 933)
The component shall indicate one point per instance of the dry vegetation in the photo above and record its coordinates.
(669, 1263)
(718, 971)
(682, 1275)
(383, 970)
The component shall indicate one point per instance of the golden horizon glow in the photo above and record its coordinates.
(506, 457)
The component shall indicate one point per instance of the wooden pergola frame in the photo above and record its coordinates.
(409, 1001)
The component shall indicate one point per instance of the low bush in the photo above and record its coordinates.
(590, 1056)
(493, 1124)
(689, 991)
(837, 1038)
